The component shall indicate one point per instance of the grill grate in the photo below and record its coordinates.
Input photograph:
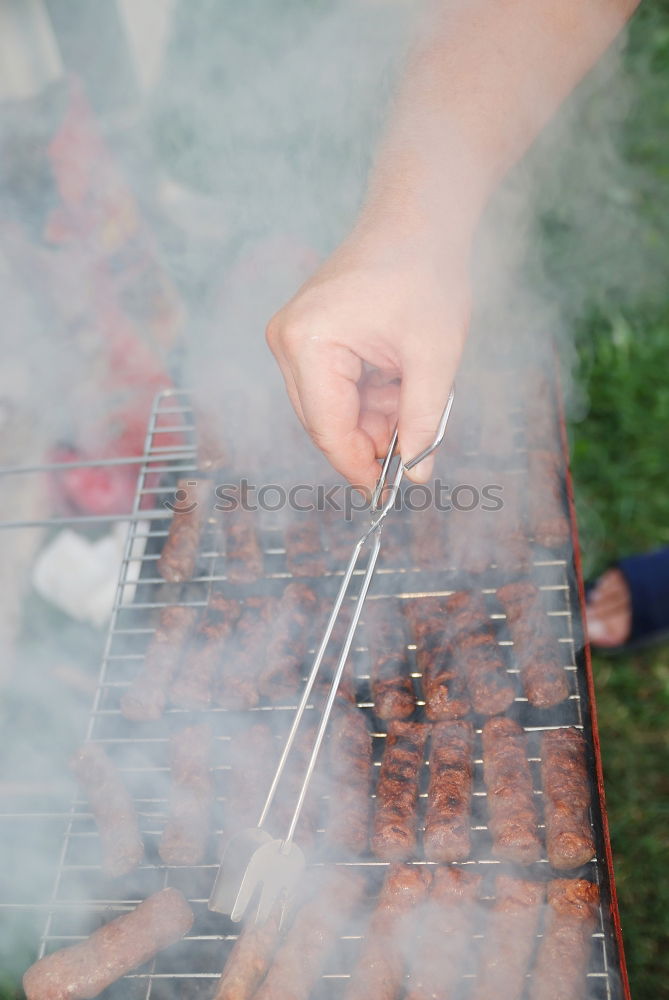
(81, 896)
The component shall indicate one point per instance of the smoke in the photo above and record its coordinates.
(247, 163)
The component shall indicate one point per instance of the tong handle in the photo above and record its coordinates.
(375, 529)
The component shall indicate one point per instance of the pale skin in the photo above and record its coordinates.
(374, 338)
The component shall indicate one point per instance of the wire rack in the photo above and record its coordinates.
(82, 898)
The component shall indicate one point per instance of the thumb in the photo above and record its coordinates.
(426, 384)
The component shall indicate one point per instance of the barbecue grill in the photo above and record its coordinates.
(80, 899)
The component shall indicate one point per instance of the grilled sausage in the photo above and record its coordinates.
(316, 926)
(429, 550)
(474, 648)
(444, 936)
(379, 970)
(145, 699)
(193, 685)
(348, 684)
(395, 820)
(254, 753)
(510, 936)
(562, 960)
(289, 642)
(470, 527)
(444, 680)
(548, 523)
(282, 810)
(85, 969)
(236, 683)
(510, 542)
(179, 556)
(391, 684)
(535, 646)
(305, 554)
(564, 776)
(112, 808)
(243, 552)
(184, 839)
(512, 815)
(249, 959)
(448, 820)
(350, 753)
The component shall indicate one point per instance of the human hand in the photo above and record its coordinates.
(372, 340)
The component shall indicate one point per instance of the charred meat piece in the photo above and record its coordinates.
(191, 797)
(87, 968)
(289, 642)
(243, 552)
(320, 920)
(448, 820)
(391, 683)
(395, 820)
(112, 808)
(146, 697)
(564, 776)
(564, 952)
(249, 959)
(193, 686)
(512, 815)
(535, 646)
(380, 968)
(305, 555)
(236, 683)
(474, 649)
(510, 936)
(548, 523)
(428, 539)
(444, 679)
(447, 923)
(179, 556)
(255, 754)
(350, 753)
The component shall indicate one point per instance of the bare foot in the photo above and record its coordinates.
(609, 610)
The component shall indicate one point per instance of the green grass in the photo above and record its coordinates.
(620, 457)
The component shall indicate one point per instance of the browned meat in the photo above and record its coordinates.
(510, 541)
(254, 755)
(300, 958)
(391, 684)
(179, 556)
(535, 647)
(510, 936)
(395, 820)
(249, 960)
(112, 808)
(564, 951)
(348, 683)
(193, 684)
(428, 539)
(474, 649)
(564, 776)
(350, 770)
(305, 554)
(146, 697)
(243, 552)
(85, 969)
(512, 815)
(470, 527)
(445, 935)
(236, 683)
(380, 968)
(448, 820)
(548, 523)
(191, 797)
(444, 680)
(288, 642)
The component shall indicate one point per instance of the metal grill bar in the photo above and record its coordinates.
(123, 653)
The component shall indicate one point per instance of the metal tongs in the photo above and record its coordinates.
(253, 861)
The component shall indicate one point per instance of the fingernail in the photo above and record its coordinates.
(421, 473)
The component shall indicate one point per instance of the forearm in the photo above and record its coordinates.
(482, 81)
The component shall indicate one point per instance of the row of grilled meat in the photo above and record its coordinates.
(240, 652)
